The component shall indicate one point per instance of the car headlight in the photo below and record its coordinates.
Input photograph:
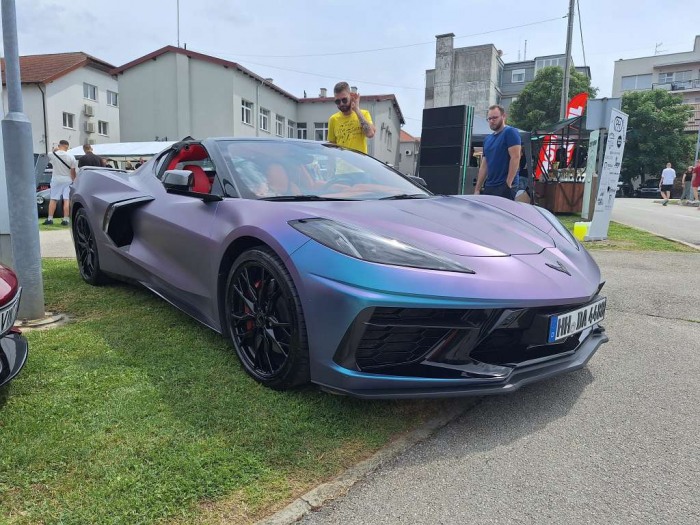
(39, 199)
(551, 218)
(369, 246)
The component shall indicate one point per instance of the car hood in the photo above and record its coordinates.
(474, 227)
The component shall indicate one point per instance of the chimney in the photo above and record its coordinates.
(353, 89)
(323, 93)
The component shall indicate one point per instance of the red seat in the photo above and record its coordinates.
(200, 182)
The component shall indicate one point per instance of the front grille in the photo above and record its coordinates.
(384, 346)
(408, 341)
(400, 336)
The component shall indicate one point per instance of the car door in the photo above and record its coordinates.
(173, 244)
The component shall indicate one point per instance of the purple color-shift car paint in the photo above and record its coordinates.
(352, 276)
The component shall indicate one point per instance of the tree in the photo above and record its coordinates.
(539, 103)
(655, 133)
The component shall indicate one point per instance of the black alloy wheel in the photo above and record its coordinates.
(86, 250)
(265, 320)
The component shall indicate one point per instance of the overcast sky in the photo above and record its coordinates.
(271, 37)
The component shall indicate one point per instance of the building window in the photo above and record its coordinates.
(546, 62)
(89, 91)
(682, 76)
(69, 120)
(246, 112)
(112, 99)
(264, 119)
(102, 127)
(291, 129)
(633, 82)
(518, 76)
(665, 78)
(279, 126)
(321, 131)
(301, 130)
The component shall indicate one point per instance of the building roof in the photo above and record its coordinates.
(42, 69)
(407, 137)
(363, 98)
(205, 58)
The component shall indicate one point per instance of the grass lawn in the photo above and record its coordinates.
(134, 413)
(622, 237)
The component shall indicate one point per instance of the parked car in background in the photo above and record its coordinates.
(13, 346)
(42, 203)
(649, 189)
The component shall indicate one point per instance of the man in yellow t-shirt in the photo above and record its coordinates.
(351, 126)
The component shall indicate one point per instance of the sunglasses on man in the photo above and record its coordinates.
(339, 101)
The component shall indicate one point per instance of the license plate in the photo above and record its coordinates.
(564, 325)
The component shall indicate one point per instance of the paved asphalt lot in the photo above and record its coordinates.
(616, 442)
(673, 221)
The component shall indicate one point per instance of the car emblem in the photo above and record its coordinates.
(559, 267)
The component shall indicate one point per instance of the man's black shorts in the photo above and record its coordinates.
(666, 187)
(500, 191)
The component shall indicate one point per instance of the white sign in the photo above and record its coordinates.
(609, 176)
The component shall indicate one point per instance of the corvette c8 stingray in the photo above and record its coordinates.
(324, 265)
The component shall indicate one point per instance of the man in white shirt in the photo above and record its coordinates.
(64, 166)
(668, 175)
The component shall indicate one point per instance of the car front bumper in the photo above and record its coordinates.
(362, 385)
(13, 355)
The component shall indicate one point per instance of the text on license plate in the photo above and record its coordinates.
(563, 325)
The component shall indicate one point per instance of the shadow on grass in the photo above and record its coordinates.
(137, 412)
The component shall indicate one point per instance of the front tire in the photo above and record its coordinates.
(265, 321)
(86, 250)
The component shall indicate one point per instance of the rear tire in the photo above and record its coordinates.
(86, 250)
(265, 321)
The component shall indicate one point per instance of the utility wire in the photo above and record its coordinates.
(331, 77)
(580, 30)
(394, 47)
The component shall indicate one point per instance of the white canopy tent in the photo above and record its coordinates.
(128, 150)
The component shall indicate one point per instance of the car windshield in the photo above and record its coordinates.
(301, 170)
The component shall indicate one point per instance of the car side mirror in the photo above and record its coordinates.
(181, 180)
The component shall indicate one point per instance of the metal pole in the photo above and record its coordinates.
(567, 63)
(21, 189)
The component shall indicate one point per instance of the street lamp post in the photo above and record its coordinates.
(21, 187)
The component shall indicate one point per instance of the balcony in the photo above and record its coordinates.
(682, 85)
(693, 123)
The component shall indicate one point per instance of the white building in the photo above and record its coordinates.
(71, 96)
(409, 149)
(173, 93)
(676, 72)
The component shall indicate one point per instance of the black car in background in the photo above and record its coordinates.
(648, 189)
(42, 204)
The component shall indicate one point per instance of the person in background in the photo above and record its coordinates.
(89, 158)
(140, 163)
(687, 190)
(498, 173)
(350, 126)
(64, 169)
(128, 166)
(695, 183)
(668, 175)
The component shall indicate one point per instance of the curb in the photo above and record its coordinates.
(340, 485)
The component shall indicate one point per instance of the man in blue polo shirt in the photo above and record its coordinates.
(498, 173)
